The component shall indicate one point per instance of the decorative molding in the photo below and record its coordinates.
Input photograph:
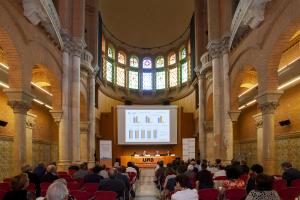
(258, 120)
(30, 120)
(84, 127)
(214, 49)
(234, 115)
(20, 101)
(6, 138)
(268, 102)
(56, 115)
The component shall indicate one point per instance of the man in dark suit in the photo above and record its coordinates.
(112, 183)
(33, 178)
(50, 176)
(289, 173)
(93, 177)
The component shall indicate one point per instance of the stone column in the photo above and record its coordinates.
(234, 116)
(214, 51)
(30, 121)
(75, 93)
(20, 101)
(91, 137)
(202, 133)
(268, 102)
(84, 126)
(259, 136)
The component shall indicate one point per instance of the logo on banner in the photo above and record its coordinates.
(148, 160)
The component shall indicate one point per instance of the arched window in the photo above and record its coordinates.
(147, 63)
(172, 59)
(160, 62)
(110, 52)
(109, 71)
(121, 58)
(134, 62)
(183, 53)
(160, 80)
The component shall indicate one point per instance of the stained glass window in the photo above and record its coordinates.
(173, 77)
(133, 80)
(160, 80)
(184, 72)
(120, 76)
(134, 62)
(160, 62)
(147, 63)
(147, 81)
(172, 59)
(121, 58)
(183, 54)
(111, 52)
(109, 71)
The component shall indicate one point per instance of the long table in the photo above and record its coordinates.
(146, 161)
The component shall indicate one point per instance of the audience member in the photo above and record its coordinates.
(93, 177)
(160, 174)
(233, 176)
(33, 178)
(120, 175)
(103, 172)
(130, 168)
(205, 178)
(40, 170)
(112, 183)
(50, 175)
(263, 189)
(18, 191)
(289, 173)
(183, 191)
(82, 172)
(58, 191)
(244, 167)
(220, 172)
(256, 169)
(172, 182)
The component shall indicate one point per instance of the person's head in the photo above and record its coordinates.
(204, 166)
(181, 169)
(58, 190)
(19, 182)
(97, 169)
(232, 173)
(161, 163)
(129, 164)
(51, 169)
(263, 182)
(218, 161)
(243, 162)
(190, 168)
(182, 181)
(83, 166)
(204, 161)
(257, 169)
(170, 171)
(26, 168)
(286, 165)
(112, 173)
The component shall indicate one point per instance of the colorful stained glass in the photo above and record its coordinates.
(133, 80)
(160, 62)
(183, 54)
(160, 80)
(134, 62)
(147, 63)
(147, 81)
(121, 58)
(110, 52)
(184, 72)
(109, 71)
(173, 77)
(172, 59)
(120, 76)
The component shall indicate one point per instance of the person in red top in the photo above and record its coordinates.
(234, 181)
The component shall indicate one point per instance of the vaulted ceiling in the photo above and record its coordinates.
(146, 23)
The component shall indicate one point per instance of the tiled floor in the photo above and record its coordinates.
(145, 188)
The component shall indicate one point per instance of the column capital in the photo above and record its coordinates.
(258, 120)
(234, 115)
(200, 75)
(78, 44)
(214, 49)
(56, 115)
(84, 127)
(268, 101)
(67, 39)
(20, 101)
(30, 120)
(225, 44)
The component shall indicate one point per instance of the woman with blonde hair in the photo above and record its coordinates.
(18, 191)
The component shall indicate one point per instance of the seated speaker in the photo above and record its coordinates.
(285, 122)
(3, 123)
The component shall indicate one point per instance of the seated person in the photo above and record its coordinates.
(289, 173)
(130, 168)
(256, 169)
(234, 182)
(171, 181)
(57, 191)
(112, 183)
(103, 172)
(40, 170)
(50, 175)
(82, 172)
(33, 178)
(183, 192)
(245, 168)
(263, 189)
(93, 177)
(157, 153)
(19, 184)
(134, 154)
(205, 178)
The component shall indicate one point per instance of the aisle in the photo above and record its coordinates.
(145, 188)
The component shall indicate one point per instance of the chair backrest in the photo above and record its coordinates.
(5, 186)
(91, 188)
(43, 192)
(208, 194)
(67, 177)
(290, 193)
(7, 180)
(296, 183)
(235, 194)
(132, 177)
(72, 171)
(220, 178)
(62, 173)
(31, 188)
(279, 185)
(2, 193)
(74, 185)
(45, 185)
(79, 195)
(105, 195)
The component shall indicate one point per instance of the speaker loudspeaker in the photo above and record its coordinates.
(285, 122)
(3, 123)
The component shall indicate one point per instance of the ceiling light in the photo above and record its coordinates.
(4, 85)
(248, 90)
(50, 107)
(38, 101)
(41, 88)
(4, 65)
(285, 66)
(289, 83)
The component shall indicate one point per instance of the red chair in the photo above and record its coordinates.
(72, 171)
(235, 194)
(7, 180)
(67, 177)
(290, 193)
(2, 193)
(279, 185)
(5, 186)
(132, 177)
(296, 183)
(91, 188)
(62, 173)
(244, 177)
(220, 178)
(105, 195)
(31, 188)
(208, 194)
(43, 192)
(45, 185)
(80, 195)
(74, 185)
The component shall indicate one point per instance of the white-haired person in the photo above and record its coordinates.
(57, 191)
(50, 175)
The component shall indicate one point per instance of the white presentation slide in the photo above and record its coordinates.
(147, 125)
